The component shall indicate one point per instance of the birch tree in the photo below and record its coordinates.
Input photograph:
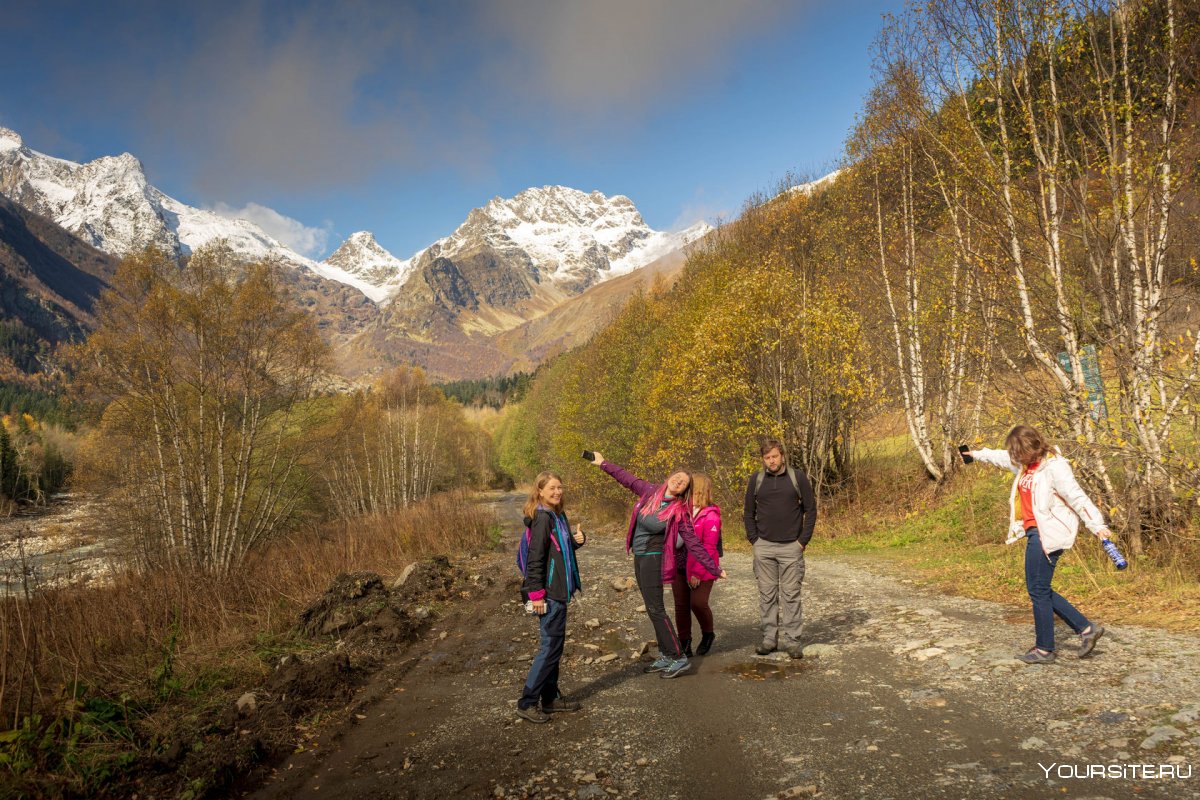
(207, 373)
(923, 240)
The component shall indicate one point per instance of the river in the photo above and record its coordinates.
(54, 545)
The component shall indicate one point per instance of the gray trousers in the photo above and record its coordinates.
(779, 571)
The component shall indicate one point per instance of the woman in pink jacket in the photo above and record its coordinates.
(692, 583)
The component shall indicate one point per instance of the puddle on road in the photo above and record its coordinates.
(768, 670)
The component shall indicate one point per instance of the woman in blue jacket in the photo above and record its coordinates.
(551, 579)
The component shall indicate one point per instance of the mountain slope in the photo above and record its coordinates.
(483, 340)
(574, 322)
(109, 204)
(512, 261)
(49, 283)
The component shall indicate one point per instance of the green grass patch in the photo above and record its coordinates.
(952, 540)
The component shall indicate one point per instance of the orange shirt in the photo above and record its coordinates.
(1025, 491)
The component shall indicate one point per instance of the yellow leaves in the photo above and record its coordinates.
(23, 420)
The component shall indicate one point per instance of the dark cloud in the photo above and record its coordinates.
(292, 96)
(594, 57)
(280, 99)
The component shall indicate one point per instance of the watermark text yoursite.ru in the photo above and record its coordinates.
(1120, 771)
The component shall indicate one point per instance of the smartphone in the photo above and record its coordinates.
(588, 455)
(965, 452)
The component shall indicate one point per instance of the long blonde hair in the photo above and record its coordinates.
(701, 490)
(535, 497)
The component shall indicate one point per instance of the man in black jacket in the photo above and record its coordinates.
(780, 513)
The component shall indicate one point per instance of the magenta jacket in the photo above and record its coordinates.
(675, 528)
(707, 523)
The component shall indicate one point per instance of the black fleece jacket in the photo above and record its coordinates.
(776, 513)
(545, 570)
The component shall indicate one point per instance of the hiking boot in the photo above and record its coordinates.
(795, 651)
(1088, 640)
(533, 714)
(764, 649)
(1035, 656)
(660, 663)
(560, 704)
(677, 668)
(686, 647)
(706, 643)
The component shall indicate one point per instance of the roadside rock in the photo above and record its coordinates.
(1187, 715)
(404, 576)
(927, 653)
(1160, 734)
(818, 650)
(246, 704)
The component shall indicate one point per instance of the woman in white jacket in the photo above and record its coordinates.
(1047, 504)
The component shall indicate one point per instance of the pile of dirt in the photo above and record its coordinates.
(299, 685)
(364, 618)
(359, 604)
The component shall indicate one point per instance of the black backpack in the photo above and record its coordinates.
(791, 473)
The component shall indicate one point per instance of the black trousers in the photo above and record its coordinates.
(648, 571)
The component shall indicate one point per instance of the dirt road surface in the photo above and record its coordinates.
(903, 693)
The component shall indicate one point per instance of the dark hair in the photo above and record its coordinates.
(768, 444)
(1026, 445)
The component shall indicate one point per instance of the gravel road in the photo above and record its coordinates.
(903, 693)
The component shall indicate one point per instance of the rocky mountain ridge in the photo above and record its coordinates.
(511, 261)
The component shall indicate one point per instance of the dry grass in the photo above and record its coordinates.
(151, 634)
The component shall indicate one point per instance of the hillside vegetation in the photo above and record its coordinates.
(1013, 238)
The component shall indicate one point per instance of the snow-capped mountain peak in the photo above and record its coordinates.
(110, 204)
(569, 237)
(555, 235)
(364, 258)
(10, 139)
(812, 186)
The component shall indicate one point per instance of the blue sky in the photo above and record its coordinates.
(323, 119)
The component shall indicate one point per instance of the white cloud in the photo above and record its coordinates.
(305, 240)
(702, 208)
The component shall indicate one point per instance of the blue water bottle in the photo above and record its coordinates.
(1114, 553)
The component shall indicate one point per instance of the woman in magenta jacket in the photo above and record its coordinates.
(692, 583)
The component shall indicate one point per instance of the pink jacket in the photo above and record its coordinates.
(708, 530)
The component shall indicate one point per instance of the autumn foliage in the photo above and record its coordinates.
(1012, 237)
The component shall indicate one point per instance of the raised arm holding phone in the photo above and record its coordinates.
(661, 518)
(1047, 505)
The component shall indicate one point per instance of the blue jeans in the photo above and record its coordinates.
(542, 683)
(1039, 571)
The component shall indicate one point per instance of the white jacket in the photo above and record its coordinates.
(1058, 500)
